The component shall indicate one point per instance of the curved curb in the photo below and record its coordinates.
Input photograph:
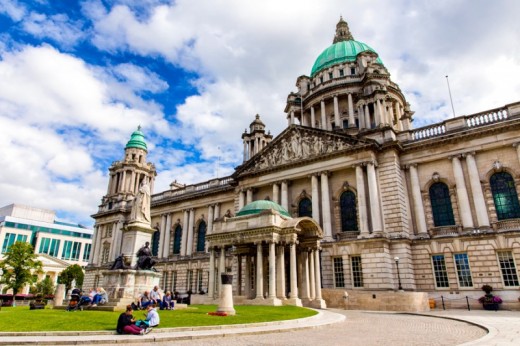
(323, 318)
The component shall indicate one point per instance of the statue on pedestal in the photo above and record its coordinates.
(145, 261)
(119, 263)
(141, 207)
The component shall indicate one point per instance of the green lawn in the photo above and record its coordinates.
(21, 319)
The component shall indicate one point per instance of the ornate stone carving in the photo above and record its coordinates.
(436, 177)
(497, 166)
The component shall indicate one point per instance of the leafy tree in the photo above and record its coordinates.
(19, 265)
(44, 287)
(71, 273)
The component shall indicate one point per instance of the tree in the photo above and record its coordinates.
(71, 273)
(19, 265)
(44, 287)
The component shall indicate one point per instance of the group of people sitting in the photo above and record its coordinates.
(127, 324)
(155, 297)
(95, 297)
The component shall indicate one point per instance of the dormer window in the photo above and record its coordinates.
(341, 73)
(352, 70)
(330, 75)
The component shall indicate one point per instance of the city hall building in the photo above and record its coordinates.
(349, 197)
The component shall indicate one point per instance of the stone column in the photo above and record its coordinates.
(312, 275)
(245, 151)
(211, 217)
(325, 202)
(239, 275)
(418, 207)
(315, 198)
(373, 193)
(162, 230)
(166, 248)
(97, 245)
(241, 199)
(247, 278)
(391, 114)
(221, 266)
(361, 117)
(280, 278)
(285, 196)
(292, 259)
(305, 274)
(123, 181)
(317, 273)
(362, 202)
(517, 146)
(336, 112)
(462, 193)
(476, 190)
(292, 117)
(211, 281)
(313, 119)
(189, 249)
(351, 120)
(249, 195)
(259, 272)
(323, 116)
(368, 123)
(272, 270)
(185, 227)
(113, 245)
(276, 193)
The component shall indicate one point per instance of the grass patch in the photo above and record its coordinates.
(21, 319)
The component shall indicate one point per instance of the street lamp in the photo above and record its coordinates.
(398, 276)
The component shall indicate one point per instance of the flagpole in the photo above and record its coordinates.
(451, 100)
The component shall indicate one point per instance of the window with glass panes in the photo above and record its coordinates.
(440, 272)
(508, 268)
(86, 253)
(305, 208)
(11, 238)
(505, 196)
(201, 237)
(463, 270)
(348, 211)
(177, 240)
(441, 205)
(339, 277)
(357, 271)
(49, 246)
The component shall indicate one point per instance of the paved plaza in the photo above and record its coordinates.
(330, 327)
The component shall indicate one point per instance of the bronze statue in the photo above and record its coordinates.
(119, 263)
(145, 261)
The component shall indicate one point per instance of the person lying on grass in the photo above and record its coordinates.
(126, 323)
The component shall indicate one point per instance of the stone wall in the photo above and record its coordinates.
(376, 300)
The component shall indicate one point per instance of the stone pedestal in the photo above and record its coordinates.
(226, 295)
(135, 235)
(125, 285)
(59, 295)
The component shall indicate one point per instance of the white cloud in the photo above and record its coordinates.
(12, 9)
(57, 27)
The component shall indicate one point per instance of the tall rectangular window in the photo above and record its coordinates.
(339, 277)
(508, 268)
(44, 245)
(86, 254)
(189, 278)
(463, 270)
(199, 280)
(174, 281)
(54, 248)
(71, 250)
(11, 238)
(439, 271)
(67, 248)
(357, 271)
(76, 249)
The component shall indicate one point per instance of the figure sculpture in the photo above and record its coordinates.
(141, 207)
(119, 263)
(144, 258)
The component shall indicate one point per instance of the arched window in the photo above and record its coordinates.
(305, 208)
(177, 238)
(348, 211)
(441, 205)
(155, 242)
(505, 196)
(201, 236)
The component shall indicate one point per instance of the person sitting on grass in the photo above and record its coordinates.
(152, 319)
(126, 323)
(100, 298)
(168, 302)
(155, 296)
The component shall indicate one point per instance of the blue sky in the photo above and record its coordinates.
(77, 77)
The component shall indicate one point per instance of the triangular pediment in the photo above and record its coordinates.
(52, 262)
(297, 144)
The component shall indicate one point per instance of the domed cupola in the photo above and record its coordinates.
(137, 140)
(343, 49)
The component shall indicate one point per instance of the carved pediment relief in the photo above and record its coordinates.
(297, 144)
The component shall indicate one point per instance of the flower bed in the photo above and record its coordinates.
(217, 313)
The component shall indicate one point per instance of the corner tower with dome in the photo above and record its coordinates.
(347, 201)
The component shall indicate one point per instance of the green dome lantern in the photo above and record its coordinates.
(343, 49)
(257, 207)
(137, 140)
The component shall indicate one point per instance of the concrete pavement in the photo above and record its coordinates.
(329, 327)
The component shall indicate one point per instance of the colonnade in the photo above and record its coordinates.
(126, 181)
(463, 201)
(306, 286)
(253, 146)
(383, 113)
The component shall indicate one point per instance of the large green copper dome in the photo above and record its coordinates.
(137, 140)
(257, 207)
(340, 52)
